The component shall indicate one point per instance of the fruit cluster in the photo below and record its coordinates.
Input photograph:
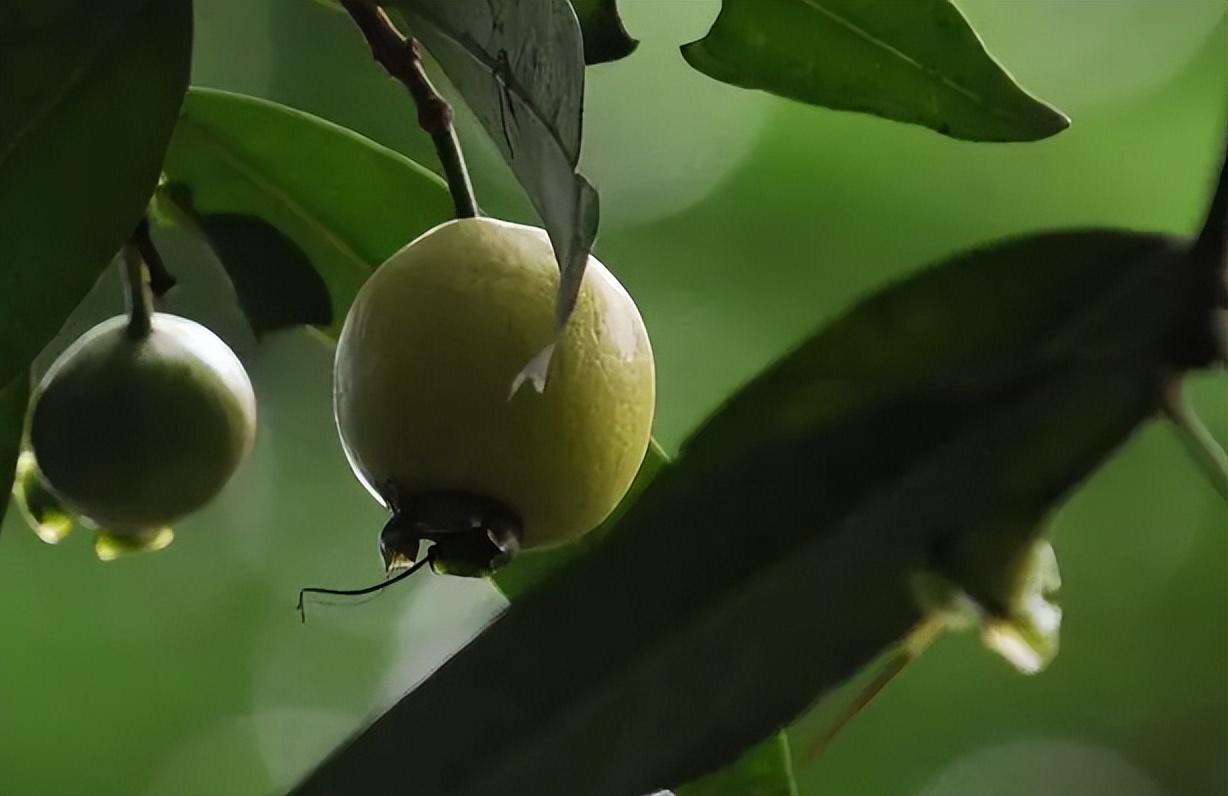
(133, 430)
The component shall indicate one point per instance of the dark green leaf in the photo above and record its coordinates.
(766, 770)
(344, 201)
(89, 93)
(13, 397)
(973, 396)
(918, 62)
(531, 568)
(605, 38)
(275, 282)
(519, 64)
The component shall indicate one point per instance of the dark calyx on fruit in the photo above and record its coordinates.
(472, 536)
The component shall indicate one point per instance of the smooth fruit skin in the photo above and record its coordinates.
(135, 434)
(426, 360)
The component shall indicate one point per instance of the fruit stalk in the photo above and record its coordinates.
(140, 299)
(160, 278)
(401, 59)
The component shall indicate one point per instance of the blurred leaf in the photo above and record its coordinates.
(975, 394)
(519, 64)
(530, 568)
(605, 38)
(918, 62)
(13, 398)
(89, 92)
(344, 201)
(766, 770)
(275, 282)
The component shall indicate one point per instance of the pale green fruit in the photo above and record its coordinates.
(424, 369)
(134, 434)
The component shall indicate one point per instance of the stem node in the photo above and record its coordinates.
(402, 59)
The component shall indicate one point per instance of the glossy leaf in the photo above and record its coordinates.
(344, 201)
(519, 64)
(13, 398)
(918, 62)
(974, 395)
(276, 284)
(605, 38)
(68, 201)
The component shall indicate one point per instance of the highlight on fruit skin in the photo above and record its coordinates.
(425, 411)
(130, 435)
(46, 515)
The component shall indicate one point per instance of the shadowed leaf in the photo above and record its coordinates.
(275, 282)
(69, 201)
(13, 398)
(605, 38)
(977, 394)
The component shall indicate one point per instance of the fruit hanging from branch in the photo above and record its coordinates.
(133, 430)
(426, 414)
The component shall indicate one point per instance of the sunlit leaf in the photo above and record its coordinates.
(90, 92)
(918, 62)
(344, 201)
(519, 64)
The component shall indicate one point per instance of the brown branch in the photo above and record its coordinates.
(401, 59)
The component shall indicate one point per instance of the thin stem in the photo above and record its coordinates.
(302, 610)
(160, 279)
(402, 60)
(916, 643)
(1202, 447)
(140, 301)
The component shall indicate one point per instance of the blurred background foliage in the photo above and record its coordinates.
(740, 223)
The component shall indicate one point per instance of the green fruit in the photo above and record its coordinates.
(1002, 577)
(422, 392)
(134, 434)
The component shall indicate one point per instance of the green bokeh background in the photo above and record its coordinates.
(740, 223)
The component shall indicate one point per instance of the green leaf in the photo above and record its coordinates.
(918, 62)
(776, 556)
(276, 284)
(766, 770)
(13, 398)
(519, 64)
(344, 201)
(89, 92)
(605, 38)
(530, 568)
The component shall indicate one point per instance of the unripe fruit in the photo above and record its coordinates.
(422, 391)
(135, 433)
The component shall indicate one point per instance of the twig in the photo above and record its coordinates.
(401, 59)
(140, 302)
(160, 279)
(913, 646)
(1202, 447)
